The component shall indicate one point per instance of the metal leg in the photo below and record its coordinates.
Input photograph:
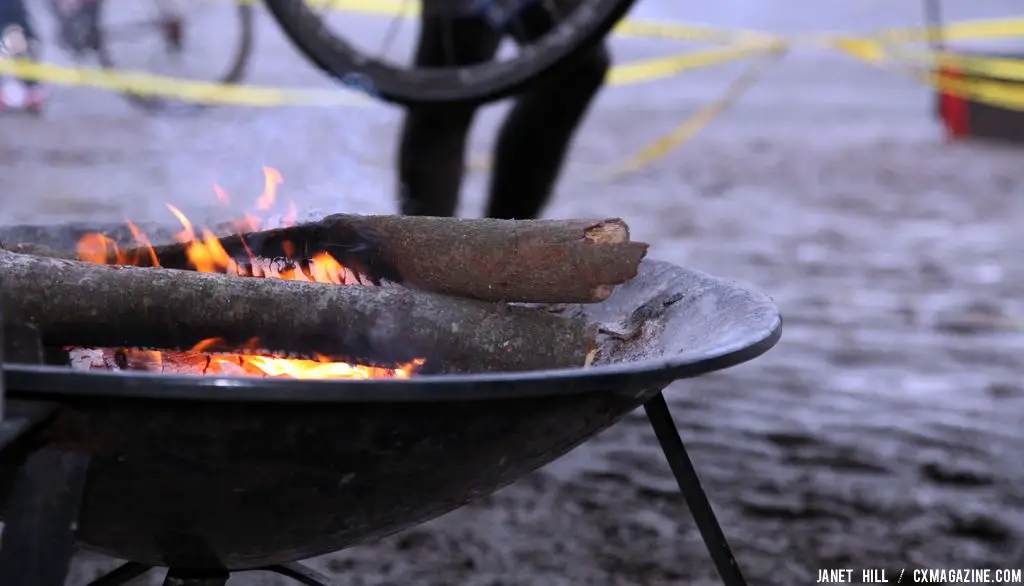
(682, 468)
(20, 343)
(124, 573)
(181, 577)
(42, 507)
(22, 418)
(178, 577)
(42, 511)
(301, 574)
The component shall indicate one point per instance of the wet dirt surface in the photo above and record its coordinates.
(883, 431)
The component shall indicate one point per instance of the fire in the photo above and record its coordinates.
(320, 367)
(206, 254)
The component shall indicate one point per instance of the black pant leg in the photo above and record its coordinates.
(535, 137)
(433, 140)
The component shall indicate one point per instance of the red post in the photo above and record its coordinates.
(953, 109)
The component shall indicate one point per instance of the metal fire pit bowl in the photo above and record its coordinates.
(212, 474)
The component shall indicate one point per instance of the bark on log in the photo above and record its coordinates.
(82, 304)
(544, 261)
(40, 250)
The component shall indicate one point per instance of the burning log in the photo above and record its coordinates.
(88, 305)
(219, 364)
(541, 261)
(39, 250)
(107, 359)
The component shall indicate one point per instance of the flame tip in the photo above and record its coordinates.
(206, 253)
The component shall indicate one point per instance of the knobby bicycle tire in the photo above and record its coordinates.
(584, 27)
(235, 72)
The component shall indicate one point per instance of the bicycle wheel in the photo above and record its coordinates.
(582, 28)
(199, 40)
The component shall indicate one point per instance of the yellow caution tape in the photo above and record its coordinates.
(875, 50)
(1002, 68)
(742, 44)
(868, 50)
(958, 31)
(170, 88)
(967, 30)
(1004, 95)
(658, 68)
(153, 86)
(880, 49)
(700, 119)
(665, 67)
(997, 93)
(685, 131)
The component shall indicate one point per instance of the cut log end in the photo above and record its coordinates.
(548, 261)
(602, 292)
(612, 231)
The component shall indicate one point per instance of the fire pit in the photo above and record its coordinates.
(212, 474)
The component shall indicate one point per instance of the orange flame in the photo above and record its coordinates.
(321, 367)
(271, 180)
(221, 194)
(206, 254)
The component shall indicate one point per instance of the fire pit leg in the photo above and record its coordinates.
(689, 483)
(42, 507)
(123, 574)
(39, 534)
(179, 577)
(302, 574)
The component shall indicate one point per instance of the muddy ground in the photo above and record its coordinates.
(883, 431)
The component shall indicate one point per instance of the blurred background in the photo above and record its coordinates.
(883, 431)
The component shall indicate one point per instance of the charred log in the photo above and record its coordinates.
(544, 261)
(205, 363)
(165, 362)
(88, 305)
(40, 250)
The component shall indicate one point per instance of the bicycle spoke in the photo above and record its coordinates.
(170, 37)
(393, 26)
(132, 31)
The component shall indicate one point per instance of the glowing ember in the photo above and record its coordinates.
(320, 368)
(206, 255)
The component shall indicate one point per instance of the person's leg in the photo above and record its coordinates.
(13, 14)
(433, 141)
(536, 135)
(17, 36)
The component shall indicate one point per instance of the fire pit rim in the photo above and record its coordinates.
(52, 381)
(44, 382)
